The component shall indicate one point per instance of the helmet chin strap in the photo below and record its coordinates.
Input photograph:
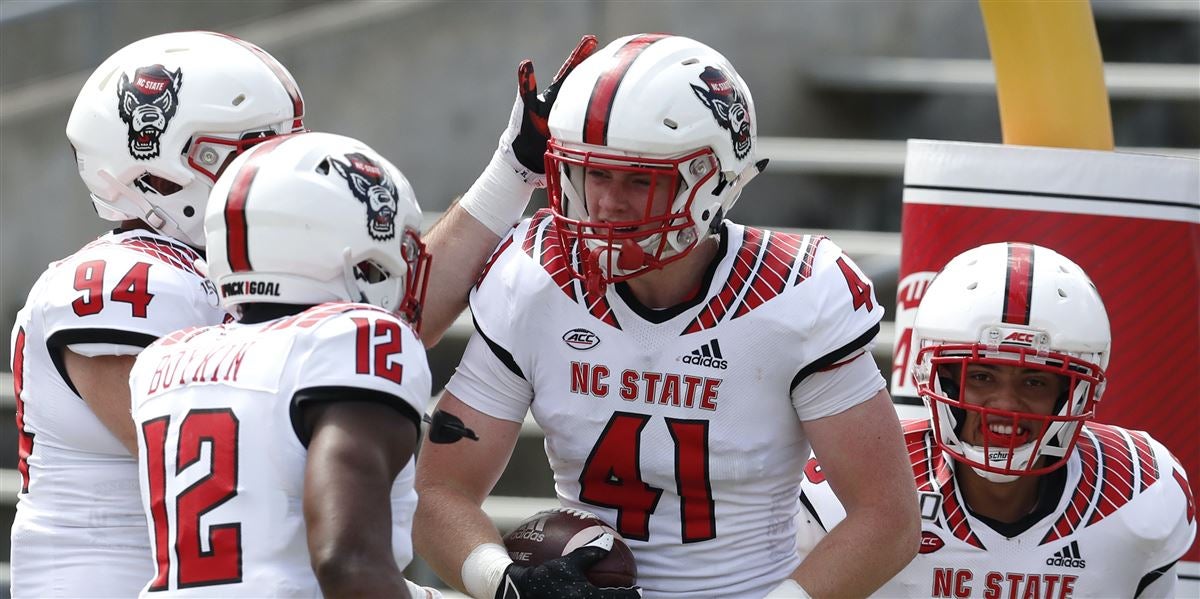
(593, 272)
(630, 256)
(994, 476)
(353, 292)
(356, 293)
(149, 213)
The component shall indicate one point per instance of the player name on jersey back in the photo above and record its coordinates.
(223, 363)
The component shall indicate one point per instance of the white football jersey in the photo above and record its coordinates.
(223, 450)
(680, 427)
(78, 513)
(1125, 511)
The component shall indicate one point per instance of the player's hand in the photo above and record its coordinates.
(523, 143)
(563, 578)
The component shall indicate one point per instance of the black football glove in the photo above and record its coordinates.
(563, 577)
(524, 141)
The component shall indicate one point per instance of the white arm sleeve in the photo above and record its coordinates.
(485, 383)
(832, 391)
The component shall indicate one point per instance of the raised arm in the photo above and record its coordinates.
(465, 236)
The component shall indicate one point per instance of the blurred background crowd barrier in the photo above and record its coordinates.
(838, 86)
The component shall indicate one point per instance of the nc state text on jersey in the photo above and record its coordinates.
(953, 582)
(665, 388)
(222, 363)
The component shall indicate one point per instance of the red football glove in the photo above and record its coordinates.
(525, 139)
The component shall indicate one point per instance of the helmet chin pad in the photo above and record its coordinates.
(129, 202)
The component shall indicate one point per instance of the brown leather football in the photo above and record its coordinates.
(554, 533)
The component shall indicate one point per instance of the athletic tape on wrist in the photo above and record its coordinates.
(498, 197)
(417, 591)
(788, 589)
(483, 570)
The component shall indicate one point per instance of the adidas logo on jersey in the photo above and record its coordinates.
(708, 355)
(1067, 557)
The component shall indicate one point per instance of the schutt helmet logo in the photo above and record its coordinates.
(728, 106)
(147, 105)
(581, 339)
(371, 185)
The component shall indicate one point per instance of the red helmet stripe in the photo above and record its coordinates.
(1018, 288)
(595, 125)
(237, 245)
(289, 84)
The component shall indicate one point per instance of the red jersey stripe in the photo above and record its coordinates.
(1147, 465)
(771, 276)
(744, 264)
(1081, 500)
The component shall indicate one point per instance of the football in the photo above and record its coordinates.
(554, 533)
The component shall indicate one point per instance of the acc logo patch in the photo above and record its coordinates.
(728, 106)
(371, 185)
(147, 105)
(581, 339)
(930, 542)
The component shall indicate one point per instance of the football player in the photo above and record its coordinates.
(1022, 493)
(152, 129)
(680, 364)
(275, 452)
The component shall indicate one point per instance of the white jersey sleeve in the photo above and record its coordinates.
(484, 382)
(842, 329)
(362, 353)
(117, 298)
(491, 376)
(1170, 528)
(833, 390)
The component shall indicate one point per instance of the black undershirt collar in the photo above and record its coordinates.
(263, 311)
(1050, 490)
(657, 316)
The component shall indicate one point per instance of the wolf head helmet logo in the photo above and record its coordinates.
(372, 186)
(728, 106)
(147, 104)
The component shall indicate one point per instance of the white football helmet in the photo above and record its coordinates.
(1011, 304)
(156, 123)
(655, 104)
(313, 218)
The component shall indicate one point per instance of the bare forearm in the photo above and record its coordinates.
(460, 245)
(872, 477)
(858, 555)
(356, 451)
(361, 578)
(443, 510)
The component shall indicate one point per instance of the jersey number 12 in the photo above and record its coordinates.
(221, 563)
